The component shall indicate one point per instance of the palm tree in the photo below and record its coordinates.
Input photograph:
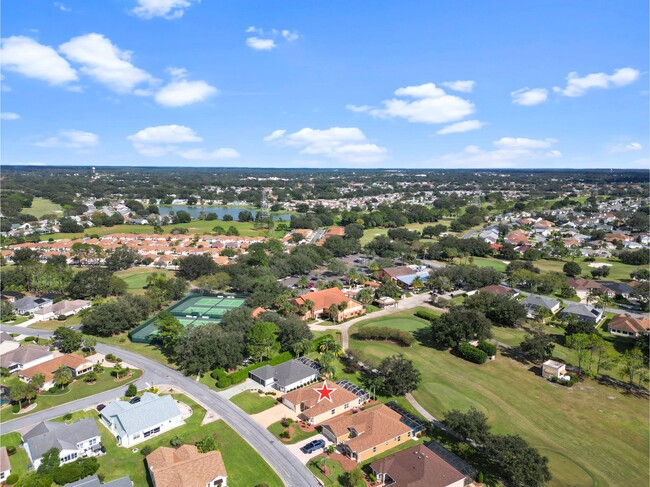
(62, 377)
(302, 347)
(327, 363)
(604, 300)
(303, 282)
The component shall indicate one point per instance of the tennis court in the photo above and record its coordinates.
(192, 310)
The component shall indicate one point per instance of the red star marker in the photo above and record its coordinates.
(325, 392)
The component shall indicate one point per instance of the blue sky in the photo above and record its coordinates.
(454, 84)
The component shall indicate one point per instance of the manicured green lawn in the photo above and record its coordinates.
(252, 402)
(298, 434)
(244, 465)
(336, 472)
(42, 206)
(19, 461)
(136, 277)
(52, 325)
(402, 320)
(76, 390)
(497, 264)
(594, 435)
(150, 351)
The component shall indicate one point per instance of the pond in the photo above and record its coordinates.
(195, 211)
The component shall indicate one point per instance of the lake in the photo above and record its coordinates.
(195, 211)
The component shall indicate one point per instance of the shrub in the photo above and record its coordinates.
(30, 339)
(67, 417)
(12, 479)
(146, 450)
(427, 315)
(489, 348)
(176, 441)
(62, 318)
(471, 353)
(224, 382)
(15, 408)
(285, 434)
(206, 444)
(218, 374)
(131, 391)
(110, 357)
(79, 469)
(385, 333)
(11, 450)
(281, 358)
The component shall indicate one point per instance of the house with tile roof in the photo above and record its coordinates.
(500, 290)
(630, 326)
(318, 303)
(185, 466)
(417, 466)
(305, 402)
(74, 440)
(76, 364)
(368, 433)
(134, 423)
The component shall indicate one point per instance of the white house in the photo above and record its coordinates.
(7, 343)
(73, 441)
(134, 423)
(5, 466)
(66, 308)
(287, 375)
(24, 357)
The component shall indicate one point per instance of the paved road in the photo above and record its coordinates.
(288, 467)
(406, 303)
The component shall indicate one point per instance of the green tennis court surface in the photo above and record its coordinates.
(192, 310)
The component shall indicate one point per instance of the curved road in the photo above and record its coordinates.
(292, 472)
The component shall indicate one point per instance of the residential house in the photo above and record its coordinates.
(323, 300)
(11, 296)
(386, 302)
(618, 288)
(5, 466)
(185, 466)
(404, 275)
(631, 326)
(30, 304)
(305, 402)
(367, 433)
(78, 439)
(534, 302)
(287, 375)
(500, 290)
(583, 312)
(76, 364)
(24, 357)
(417, 466)
(585, 288)
(62, 308)
(93, 481)
(134, 423)
(7, 343)
(551, 368)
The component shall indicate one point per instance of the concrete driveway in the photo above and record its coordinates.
(305, 457)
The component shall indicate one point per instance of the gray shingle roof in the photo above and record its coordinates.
(50, 434)
(30, 302)
(285, 373)
(93, 481)
(543, 301)
(149, 412)
(581, 310)
(23, 354)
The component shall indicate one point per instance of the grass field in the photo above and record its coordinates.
(52, 325)
(298, 434)
(245, 467)
(136, 277)
(246, 229)
(594, 435)
(42, 206)
(76, 390)
(19, 461)
(149, 351)
(252, 402)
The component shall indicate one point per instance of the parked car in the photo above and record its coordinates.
(135, 400)
(312, 446)
(100, 407)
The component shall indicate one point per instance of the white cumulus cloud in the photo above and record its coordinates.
(426, 103)
(528, 97)
(164, 140)
(168, 9)
(105, 62)
(70, 139)
(630, 147)
(465, 86)
(578, 86)
(184, 92)
(523, 143)
(26, 56)
(9, 116)
(459, 127)
(260, 44)
(348, 144)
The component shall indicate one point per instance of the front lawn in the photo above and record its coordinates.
(76, 390)
(19, 461)
(244, 465)
(592, 434)
(52, 325)
(252, 403)
(149, 351)
(335, 474)
(297, 435)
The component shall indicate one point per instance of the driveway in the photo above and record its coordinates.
(274, 414)
(305, 457)
(248, 385)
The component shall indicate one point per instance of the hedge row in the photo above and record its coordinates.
(225, 380)
(471, 353)
(489, 348)
(427, 315)
(385, 333)
(79, 469)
